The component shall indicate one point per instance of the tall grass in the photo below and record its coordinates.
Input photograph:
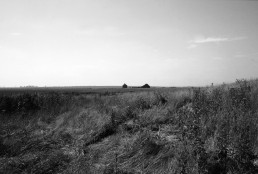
(189, 130)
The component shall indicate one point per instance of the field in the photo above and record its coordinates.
(130, 131)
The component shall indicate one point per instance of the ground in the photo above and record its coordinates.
(156, 130)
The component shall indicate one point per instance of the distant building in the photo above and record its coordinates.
(124, 86)
(145, 86)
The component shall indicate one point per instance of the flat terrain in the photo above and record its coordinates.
(126, 131)
(79, 90)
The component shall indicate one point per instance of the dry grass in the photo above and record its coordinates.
(163, 131)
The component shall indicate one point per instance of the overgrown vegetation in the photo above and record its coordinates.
(187, 130)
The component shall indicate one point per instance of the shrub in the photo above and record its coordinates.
(227, 116)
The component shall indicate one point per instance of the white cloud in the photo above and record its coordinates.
(202, 40)
(208, 39)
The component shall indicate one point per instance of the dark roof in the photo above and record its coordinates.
(146, 86)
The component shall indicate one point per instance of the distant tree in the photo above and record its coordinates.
(145, 86)
(124, 86)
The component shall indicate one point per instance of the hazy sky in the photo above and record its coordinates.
(111, 42)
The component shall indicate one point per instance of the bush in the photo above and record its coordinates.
(225, 116)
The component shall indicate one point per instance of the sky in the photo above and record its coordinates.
(111, 42)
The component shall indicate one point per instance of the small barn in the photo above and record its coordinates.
(145, 86)
(124, 86)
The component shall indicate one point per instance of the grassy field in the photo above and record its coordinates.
(74, 90)
(130, 131)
